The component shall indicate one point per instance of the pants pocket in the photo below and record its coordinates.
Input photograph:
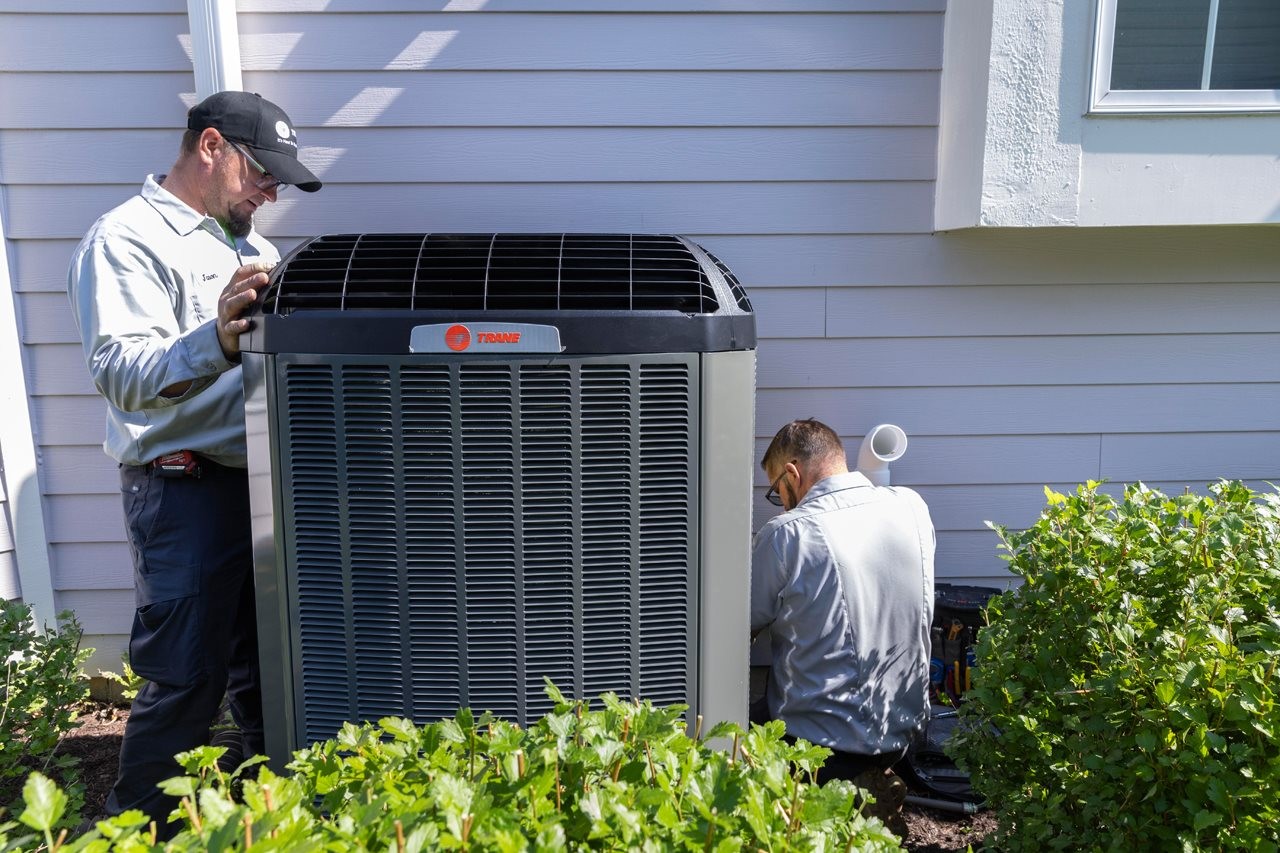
(165, 644)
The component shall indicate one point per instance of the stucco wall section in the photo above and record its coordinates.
(1032, 158)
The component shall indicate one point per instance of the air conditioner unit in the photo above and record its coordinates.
(481, 459)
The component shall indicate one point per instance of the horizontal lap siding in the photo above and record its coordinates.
(523, 42)
(695, 208)
(797, 140)
(483, 155)
(481, 6)
(92, 574)
(506, 99)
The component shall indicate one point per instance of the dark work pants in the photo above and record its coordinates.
(840, 765)
(194, 634)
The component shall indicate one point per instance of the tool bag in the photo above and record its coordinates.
(957, 618)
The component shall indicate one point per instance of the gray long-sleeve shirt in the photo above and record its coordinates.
(144, 286)
(844, 584)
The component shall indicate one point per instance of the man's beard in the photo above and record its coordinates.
(238, 224)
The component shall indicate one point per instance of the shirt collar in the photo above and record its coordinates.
(180, 216)
(835, 483)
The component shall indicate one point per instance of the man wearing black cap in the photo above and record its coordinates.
(159, 287)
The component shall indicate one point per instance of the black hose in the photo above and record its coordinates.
(944, 805)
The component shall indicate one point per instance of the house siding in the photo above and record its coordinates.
(796, 140)
(59, 89)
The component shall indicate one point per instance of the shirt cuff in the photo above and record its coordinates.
(204, 355)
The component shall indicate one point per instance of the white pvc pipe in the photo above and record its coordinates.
(215, 46)
(882, 444)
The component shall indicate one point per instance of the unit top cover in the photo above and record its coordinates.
(346, 293)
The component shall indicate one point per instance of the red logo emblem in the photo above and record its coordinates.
(457, 337)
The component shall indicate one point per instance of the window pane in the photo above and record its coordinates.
(1246, 51)
(1159, 44)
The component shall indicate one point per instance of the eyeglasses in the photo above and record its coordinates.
(772, 495)
(266, 182)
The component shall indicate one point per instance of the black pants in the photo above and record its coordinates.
(194, 635)
(840, 765)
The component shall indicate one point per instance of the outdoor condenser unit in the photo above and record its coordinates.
(481, 459)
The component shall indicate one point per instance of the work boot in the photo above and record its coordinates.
(228, 738)
(889, 793)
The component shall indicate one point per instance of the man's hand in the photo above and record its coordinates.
(234, 301)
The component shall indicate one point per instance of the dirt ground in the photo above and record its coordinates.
(96, 743)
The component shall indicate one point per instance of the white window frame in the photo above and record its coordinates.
(1106, 101)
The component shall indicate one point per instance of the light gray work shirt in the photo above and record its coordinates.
(844, 584)
(144, 286)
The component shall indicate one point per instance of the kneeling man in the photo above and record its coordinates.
(843, 583)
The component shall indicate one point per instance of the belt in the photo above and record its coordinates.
(184, 463)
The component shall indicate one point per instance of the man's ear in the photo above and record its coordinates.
(795, 475)
(209, 145)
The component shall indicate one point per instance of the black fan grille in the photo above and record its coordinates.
(493, 272)
(735, 287)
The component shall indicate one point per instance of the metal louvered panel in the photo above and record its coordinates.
(490, 545)
(316, 545)
(547, 478)
(371, 524)
(431, 542)
(665, 462)
(464, 528)
(608, 530)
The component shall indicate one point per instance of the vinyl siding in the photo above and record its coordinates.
(796, 140)
(81, 100)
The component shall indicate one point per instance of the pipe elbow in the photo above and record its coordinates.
(883, 443)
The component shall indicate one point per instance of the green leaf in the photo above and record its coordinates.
(179, 786)
(451, 731)
(553, 692)
(399, 728)
(45, 803)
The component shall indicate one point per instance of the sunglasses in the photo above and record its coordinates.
(266, 181)
(772, 495)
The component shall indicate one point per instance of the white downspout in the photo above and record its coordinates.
(215, 46)
(882, 444)
(18, 452)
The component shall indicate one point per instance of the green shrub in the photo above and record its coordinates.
(42, 686)
(622, 777)
(128, 681)
(1126, 692)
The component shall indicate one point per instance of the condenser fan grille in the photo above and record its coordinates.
(493, 272)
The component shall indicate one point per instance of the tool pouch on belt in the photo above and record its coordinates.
(183, 463)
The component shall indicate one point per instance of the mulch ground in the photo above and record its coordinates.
(96, 744)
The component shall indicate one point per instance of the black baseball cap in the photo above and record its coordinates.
(262, 127)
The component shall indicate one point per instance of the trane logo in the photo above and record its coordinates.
(489, 337)
(458, 337)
